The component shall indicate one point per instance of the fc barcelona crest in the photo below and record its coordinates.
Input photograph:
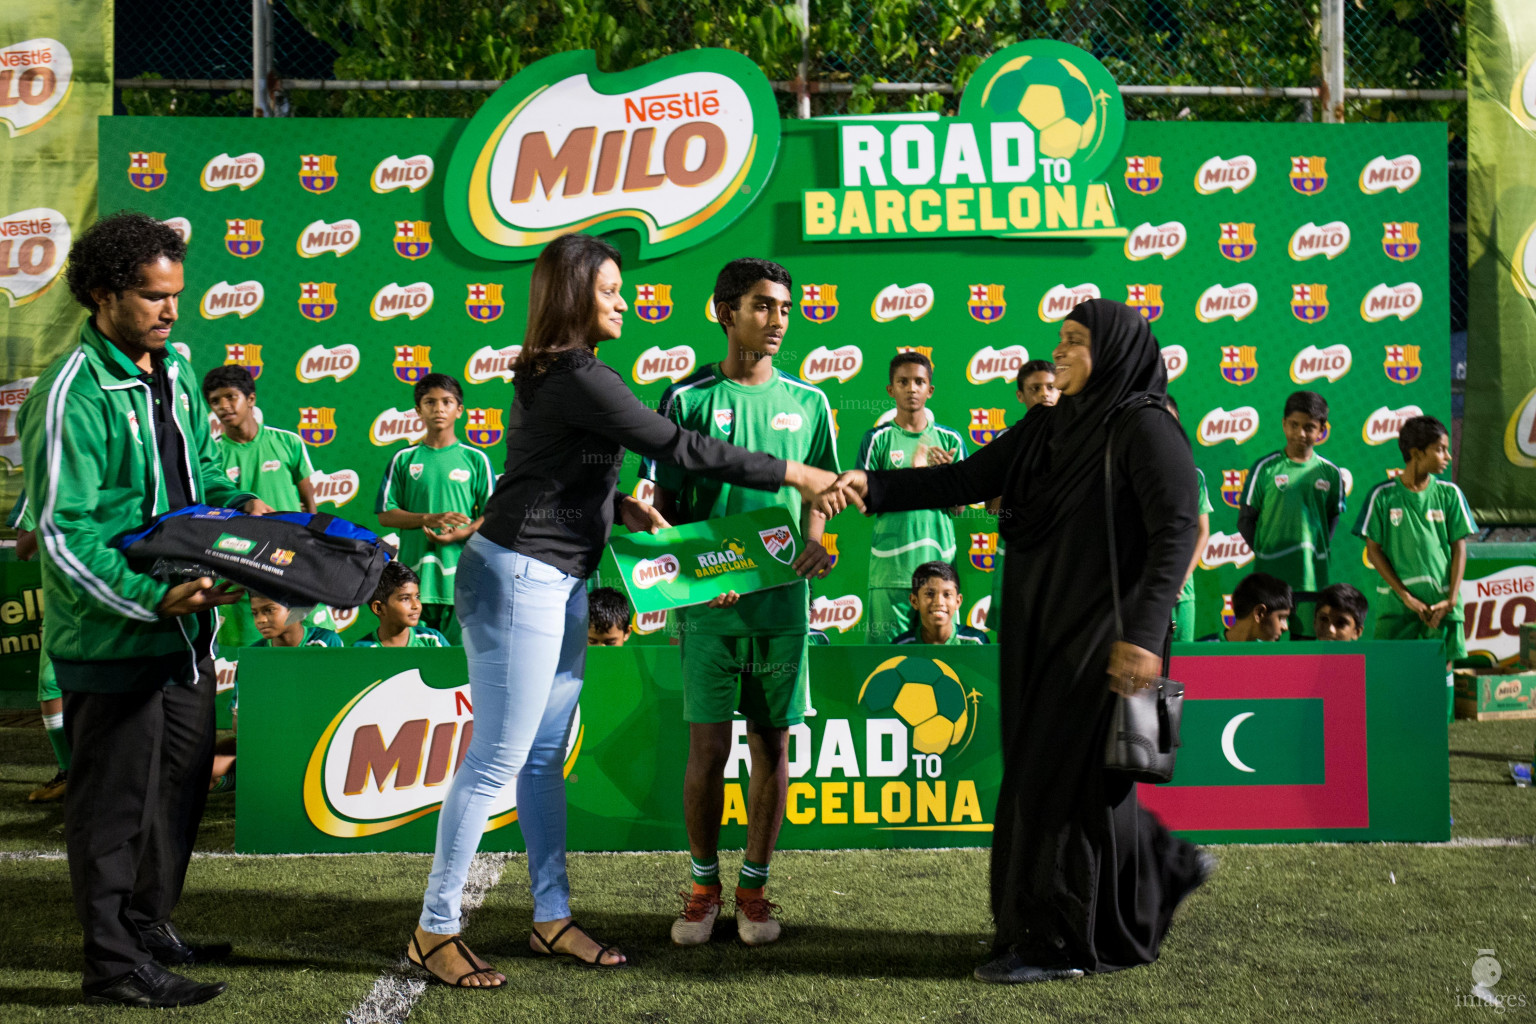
(317, 173)
(1144, 174)
(986, 424)
(281, 556)
(412, 362)
(1237, 242)
(146, 171)
(1228, 616)
(249, 356)
(1400, 239)
(984, 551)
(986, 303)
(413, 238)
(243, 238)
(1232, 483)
(1402, 365)
(1309, 302)
(1146, 299)
(926, 351)
(818, 302)
(317, 426)
(653, 302)
(317, 300)
(829, 545)
(484, 303)
(1239, 363)
(484, 428)
(1308, 174)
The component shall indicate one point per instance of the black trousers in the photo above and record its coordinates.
(137, 787)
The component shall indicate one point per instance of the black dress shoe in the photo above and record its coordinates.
(1010, 969)
(170, 949)
(151, 985)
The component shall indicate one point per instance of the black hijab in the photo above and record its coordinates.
(1062, 451)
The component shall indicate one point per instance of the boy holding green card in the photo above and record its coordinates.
(744, 653)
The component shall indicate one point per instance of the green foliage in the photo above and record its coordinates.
(857, 43)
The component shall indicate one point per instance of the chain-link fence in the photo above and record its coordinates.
(1195, 59)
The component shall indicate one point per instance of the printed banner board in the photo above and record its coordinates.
(698, 562)
(353, 750)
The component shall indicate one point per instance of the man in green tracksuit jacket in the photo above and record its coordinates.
(114, 433)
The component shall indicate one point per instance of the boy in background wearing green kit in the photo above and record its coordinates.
(935, 601)
(1416, 529)
(1184, 609)
(396, 602)
(1293, 501)
(744, 653)
(1034, 385)
(904, 540)
(436, 492)
(49, 697)
(271, 463)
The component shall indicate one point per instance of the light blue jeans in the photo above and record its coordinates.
(525, 636)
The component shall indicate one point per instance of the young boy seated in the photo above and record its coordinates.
(1261, 606)
(279, 629)
(1340, 613)
(608, 619)
(935, 601)
(396, 602)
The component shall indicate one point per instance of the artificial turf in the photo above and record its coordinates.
(1367, 932)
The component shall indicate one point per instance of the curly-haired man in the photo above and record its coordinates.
(115, 433)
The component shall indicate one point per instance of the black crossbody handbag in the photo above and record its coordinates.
(1143, 740)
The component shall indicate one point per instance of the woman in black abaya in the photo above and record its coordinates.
(1083, 878)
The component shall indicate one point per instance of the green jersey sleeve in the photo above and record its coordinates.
(21, 517)
(1203, 503)
(1458, 519)
(823, 453)
(872, 449)
(389, 486)
(665, 475)
(302, 467)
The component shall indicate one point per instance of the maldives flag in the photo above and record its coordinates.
(1271, 742)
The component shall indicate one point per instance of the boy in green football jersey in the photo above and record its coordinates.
(49, 697)
(271, 463)
(1293, 501)
(279, 629)
(396, 602)
(436, 492)
(744, 653)
(1340, 614)
(1416, 529)
(608, 618)
(1184, 609)
(935, 601)
(904, 540)
(1261, 610)
(1034, 385)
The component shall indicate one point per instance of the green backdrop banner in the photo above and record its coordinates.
(55, 78)
(353, 750)
(21, 626)
(1498, 446)
(1268, 258)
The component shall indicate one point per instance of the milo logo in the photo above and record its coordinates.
(386, 758)
(228, 542)
(35, 79)
(675, 149)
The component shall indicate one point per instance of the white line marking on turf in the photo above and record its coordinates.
(396, 991)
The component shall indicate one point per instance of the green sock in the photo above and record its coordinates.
(705, 872)
(753, 875)
(54, 724)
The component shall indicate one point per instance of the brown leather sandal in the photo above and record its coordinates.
(597, 961)
(458, 943)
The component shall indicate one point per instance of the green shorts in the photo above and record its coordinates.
(1411, 627)
(889, 611)
(756, 675)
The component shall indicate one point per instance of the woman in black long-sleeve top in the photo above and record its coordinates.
(520, 591)
(1083, 878)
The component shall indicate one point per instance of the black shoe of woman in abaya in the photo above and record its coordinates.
(1010, 969)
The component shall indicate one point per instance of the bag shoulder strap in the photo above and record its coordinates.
(1115, 426)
